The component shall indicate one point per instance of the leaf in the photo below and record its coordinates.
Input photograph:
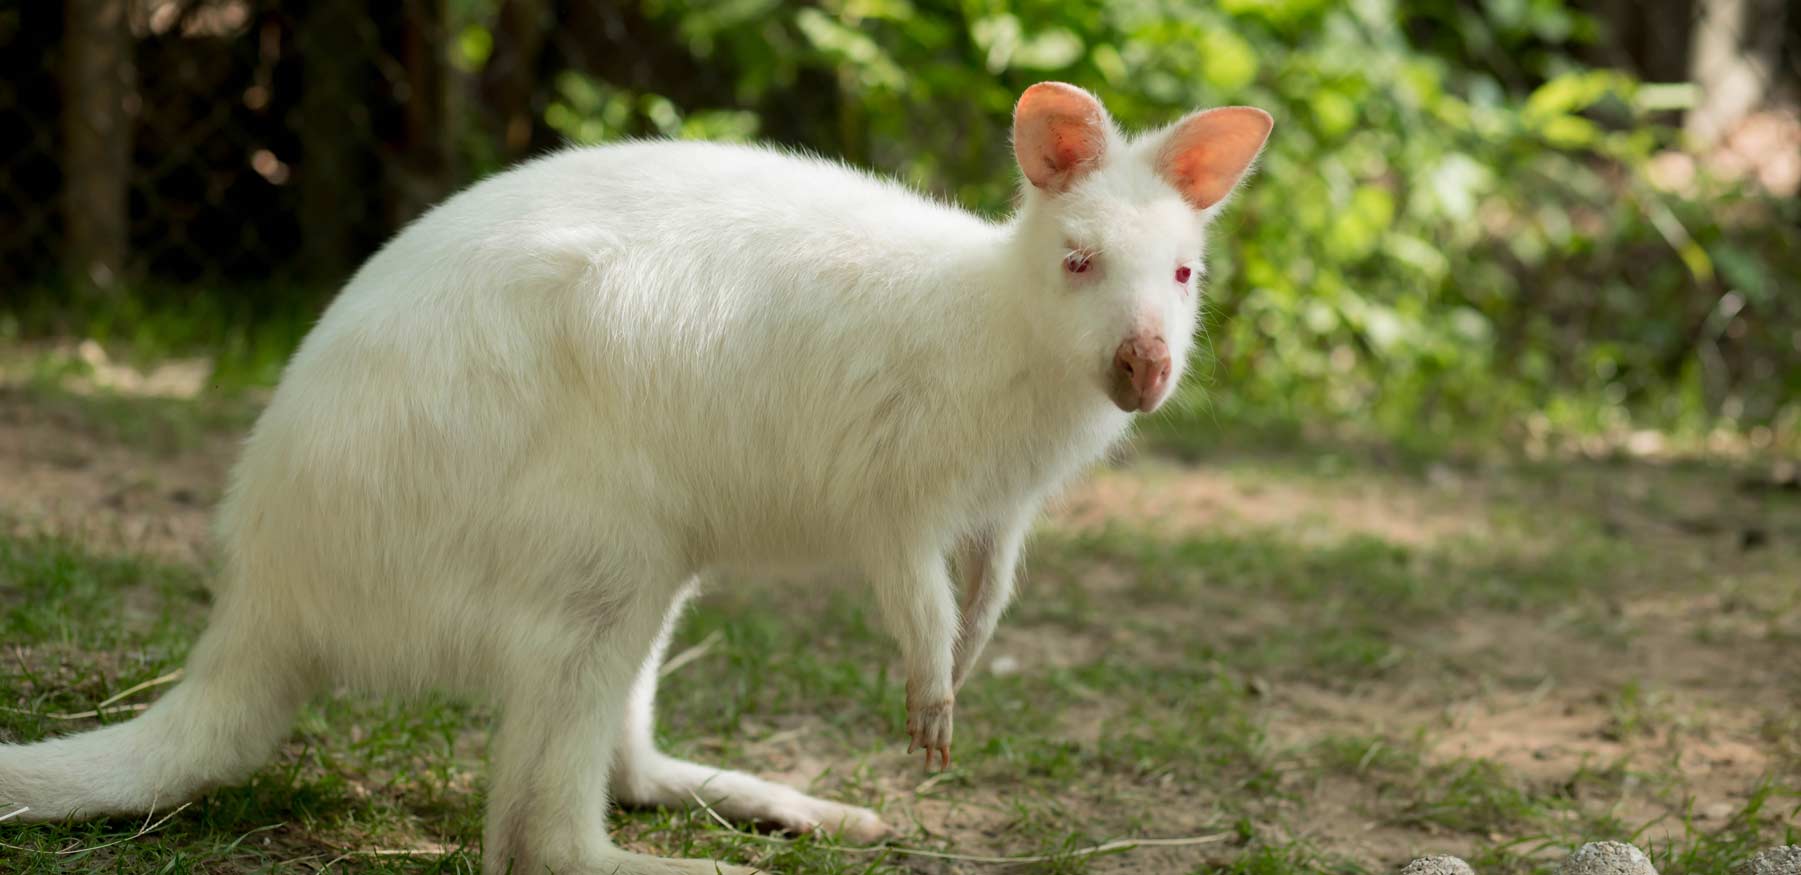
(1333, 113)
(1570, 132)
(1745, 272)
(474, 45)
(1573, 92)
(1228, 63)
(1053, 49)
(999, 37)
(875, 69)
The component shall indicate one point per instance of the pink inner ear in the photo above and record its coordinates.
(1059, 134)
(1209, 151)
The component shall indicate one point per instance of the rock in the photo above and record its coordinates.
(1438, 864)
(1607, 858)
(1785, 860)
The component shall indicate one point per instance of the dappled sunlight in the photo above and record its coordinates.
(85, 368)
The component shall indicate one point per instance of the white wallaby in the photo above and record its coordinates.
(541, 414)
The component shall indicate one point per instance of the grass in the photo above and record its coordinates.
(248, 333)
(1301, 684)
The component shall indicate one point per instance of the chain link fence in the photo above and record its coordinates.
(249, 141)
(219, 142)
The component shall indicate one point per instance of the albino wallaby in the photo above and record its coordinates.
(541, 414)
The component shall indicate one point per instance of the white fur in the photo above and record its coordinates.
(530, 423)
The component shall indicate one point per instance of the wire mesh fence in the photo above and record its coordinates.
(221, 141)
(253, 141)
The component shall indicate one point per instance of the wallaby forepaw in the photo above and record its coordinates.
(929, 727)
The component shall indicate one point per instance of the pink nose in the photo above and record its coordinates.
(1141, 370)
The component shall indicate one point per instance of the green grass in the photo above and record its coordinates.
(161, 425)
(1283, 689)
(247, 333)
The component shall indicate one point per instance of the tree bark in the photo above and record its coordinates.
(1735, 61)
(509, 81)
(422, 165)
(333, 119)
(98, 79)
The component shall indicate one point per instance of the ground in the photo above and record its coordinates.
(1317, 658)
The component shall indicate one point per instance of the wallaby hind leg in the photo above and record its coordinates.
(553, 752)
(648, 777)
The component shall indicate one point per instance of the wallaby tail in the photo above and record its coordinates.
(237, 697)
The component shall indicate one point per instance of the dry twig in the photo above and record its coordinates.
(144, 830)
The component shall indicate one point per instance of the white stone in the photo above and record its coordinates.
(1785, 860)
(1438, 864)
(1608, 858)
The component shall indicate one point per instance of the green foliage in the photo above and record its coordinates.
(1453, 232)
(1452, 227)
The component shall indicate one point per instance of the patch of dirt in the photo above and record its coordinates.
(1550, 737)
(1676, 753)
(56, 478)
(1173, 500)
(1039, 649)
(1339, 815)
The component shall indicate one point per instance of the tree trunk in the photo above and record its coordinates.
(333, 119)
(510, 78)
(1735, 62)
(97, 116)
(421, 165)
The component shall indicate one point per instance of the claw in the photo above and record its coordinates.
(929, 730)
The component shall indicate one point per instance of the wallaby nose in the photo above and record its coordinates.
(1143, 363)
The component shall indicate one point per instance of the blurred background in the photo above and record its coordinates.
(1522, 218)
(1556, 225)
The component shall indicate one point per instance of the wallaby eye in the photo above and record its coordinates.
(1077, 262)
(1182, 274)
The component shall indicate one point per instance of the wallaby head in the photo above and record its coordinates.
(1112, 230)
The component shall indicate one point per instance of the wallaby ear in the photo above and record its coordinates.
(1207, 152)
(1059, 135)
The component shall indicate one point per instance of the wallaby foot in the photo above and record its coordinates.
(645, 776)
(652, 778)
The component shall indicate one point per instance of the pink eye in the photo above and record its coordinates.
(1182, 275)
(1076, 262)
